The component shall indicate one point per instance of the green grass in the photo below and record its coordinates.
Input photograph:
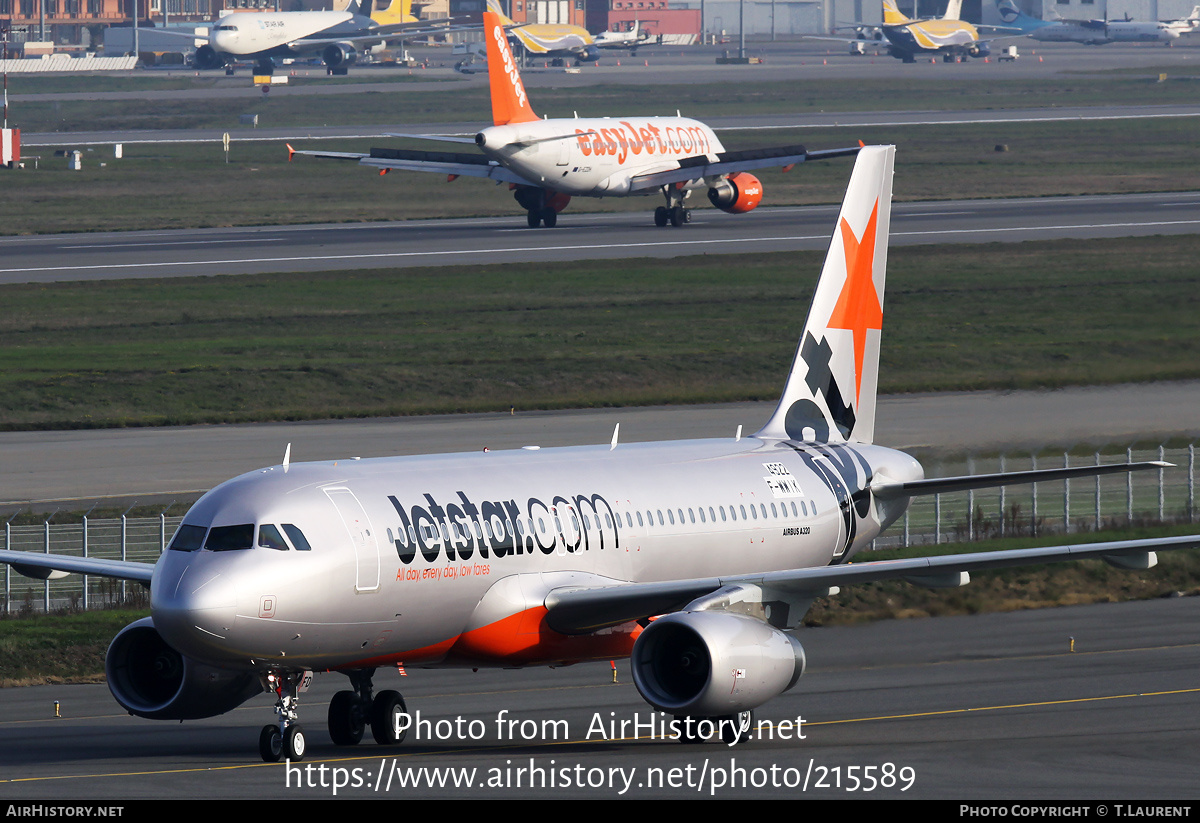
(468, 101)
(58, 648)
(182, 186)
(687, 330)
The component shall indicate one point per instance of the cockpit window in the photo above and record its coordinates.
(270, 538)
(188, 538)
(297, 538)
(230, 538)
(227, 28)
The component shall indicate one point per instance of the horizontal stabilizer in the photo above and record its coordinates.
(886, 491)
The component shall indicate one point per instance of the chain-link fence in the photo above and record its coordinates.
(127, 538)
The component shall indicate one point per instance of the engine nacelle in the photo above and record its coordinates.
(151, 679)
(981, 49)
(339, 54)
(207, 57)
(737, 193)
(712, 664)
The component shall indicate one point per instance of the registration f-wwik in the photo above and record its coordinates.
(697, 559)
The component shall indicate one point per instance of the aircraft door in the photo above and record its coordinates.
(362, 537)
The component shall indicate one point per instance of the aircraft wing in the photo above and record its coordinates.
(41, 566)
(730, 162)
(439, 162)
(885, 490)
(580, 610)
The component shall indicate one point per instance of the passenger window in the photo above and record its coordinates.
(188, 538)
(270, 538)
(299, 542)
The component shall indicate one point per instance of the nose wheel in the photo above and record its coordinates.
(285, 739)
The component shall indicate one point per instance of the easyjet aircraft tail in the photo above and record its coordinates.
(510, 104)
(830, 392)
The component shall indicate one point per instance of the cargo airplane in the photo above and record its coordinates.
(697, 559)
(557, 41)
(547, 162)
(948, 37)
(336, 36)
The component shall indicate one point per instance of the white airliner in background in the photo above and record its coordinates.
(536, 557)
(547, 162)
(336, 36)
(1088, 32)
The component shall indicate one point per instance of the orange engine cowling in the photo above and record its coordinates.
(737, 193)
(532, 198)
(557, 200)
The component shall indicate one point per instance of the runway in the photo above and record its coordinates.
(206, 252)
(991, 707)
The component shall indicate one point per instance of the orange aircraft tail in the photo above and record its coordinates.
(509, 101)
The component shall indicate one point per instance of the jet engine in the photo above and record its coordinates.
(150, 679)
(737, 193)
(207, 57)
(980, 49)
(712, 664)
(338, 54)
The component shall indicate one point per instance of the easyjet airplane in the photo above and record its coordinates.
(547, 162)
(695, 558)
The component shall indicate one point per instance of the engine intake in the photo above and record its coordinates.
(737, 193)
(207, 57)
(711, 664)
(339, 54)
(150, 679)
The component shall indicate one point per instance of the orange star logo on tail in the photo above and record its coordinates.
(858, 308)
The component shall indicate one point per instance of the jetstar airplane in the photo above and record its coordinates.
(337, 36)
(550, 556)
(547, 162)
(1089, 32)
(558, 41)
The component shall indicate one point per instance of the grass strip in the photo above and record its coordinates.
(627, 332)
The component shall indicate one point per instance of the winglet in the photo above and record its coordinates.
(291, 151)
(509, 101)
(830, 392)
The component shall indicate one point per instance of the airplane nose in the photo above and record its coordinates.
(194, 609)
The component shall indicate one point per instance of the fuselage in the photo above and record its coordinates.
(931, 36)
(446, 559)
(271, 33)
(1098, 32)
(597, 157)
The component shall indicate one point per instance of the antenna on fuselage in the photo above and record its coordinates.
(287, 457)
(616, 431)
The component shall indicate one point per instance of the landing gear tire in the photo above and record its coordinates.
(549, 217)
(270, 744)
(689, 732)
(386, 714)
(533, 218)
(661, 216)
(736, 728)
(347, 722)
(680, 215)
(294, 742)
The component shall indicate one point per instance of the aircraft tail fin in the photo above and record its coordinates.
(510, 104)
(831, 390)
(495, 8)
(892, 15)
(953, 10)
(390, 13)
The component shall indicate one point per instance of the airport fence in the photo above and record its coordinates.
(1041, 509)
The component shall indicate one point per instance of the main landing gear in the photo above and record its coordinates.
(350, 713)
(674, 212)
